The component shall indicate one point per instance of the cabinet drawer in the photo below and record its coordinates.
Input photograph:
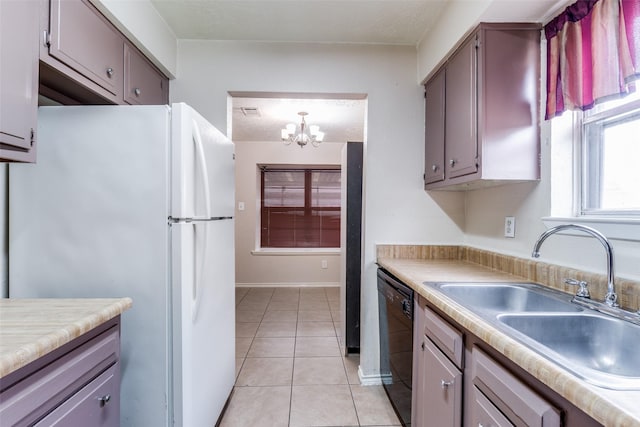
(143, 84)
(96, 405)
(521, 405)
(33, 397)
(445, 336)
(85, 41)
(484, 413)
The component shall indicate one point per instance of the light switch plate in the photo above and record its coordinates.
(509, 226)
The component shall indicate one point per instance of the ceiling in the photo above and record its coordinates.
(336, 21)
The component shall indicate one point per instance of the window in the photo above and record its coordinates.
(300, 208)
(611, 158)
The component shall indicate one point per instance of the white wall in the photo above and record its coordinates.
(397, 210)
(282, 269)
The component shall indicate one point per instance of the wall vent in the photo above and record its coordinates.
(250, 111)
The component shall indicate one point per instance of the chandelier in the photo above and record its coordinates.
(306, 134)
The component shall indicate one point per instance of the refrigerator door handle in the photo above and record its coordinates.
(173, 220)
(199, 266)
(204, 175)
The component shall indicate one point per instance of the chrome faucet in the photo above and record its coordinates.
(610, 299)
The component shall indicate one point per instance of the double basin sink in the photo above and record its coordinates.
(598, 348)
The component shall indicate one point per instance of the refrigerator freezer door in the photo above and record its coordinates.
(204, 327)
(202, 167)
(90, 221)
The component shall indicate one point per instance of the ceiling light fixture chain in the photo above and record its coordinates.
(307, 133)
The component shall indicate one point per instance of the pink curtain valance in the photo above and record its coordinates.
(593, 53)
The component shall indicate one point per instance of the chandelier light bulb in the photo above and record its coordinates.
(306, 134)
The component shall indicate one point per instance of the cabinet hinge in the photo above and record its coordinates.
(46, 38)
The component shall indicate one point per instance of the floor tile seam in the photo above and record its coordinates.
(295, 343)
(353, 401)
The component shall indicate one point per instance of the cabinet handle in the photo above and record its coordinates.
(452, 162)
(110, 72)
(104, 400)
(137, 92)
(46, 38)
(445, 384)
(434, 168)
(422, 346)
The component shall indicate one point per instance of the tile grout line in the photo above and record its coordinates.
(293, 368)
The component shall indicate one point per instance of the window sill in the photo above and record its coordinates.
(295, 251)
(613, 228)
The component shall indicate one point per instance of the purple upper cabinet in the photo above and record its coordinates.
(461, 112)
(491, 110)
(87, 60)
(82, 39)
(143, 84)
(18, 80)
(434, 129)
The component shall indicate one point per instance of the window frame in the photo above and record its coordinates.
(589, 155)
(309, 209)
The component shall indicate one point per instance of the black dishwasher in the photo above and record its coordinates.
(395, 310)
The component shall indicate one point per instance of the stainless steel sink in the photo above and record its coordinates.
(600, 349)
(508, 297)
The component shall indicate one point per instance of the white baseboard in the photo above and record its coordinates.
(290, 285)
(373, 379)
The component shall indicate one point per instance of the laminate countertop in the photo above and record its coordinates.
(32, 328)
(609, 407)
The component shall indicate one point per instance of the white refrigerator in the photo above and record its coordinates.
(137, 201)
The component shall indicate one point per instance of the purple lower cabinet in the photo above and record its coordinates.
(95, 405)
(75, 385)
(515, 399)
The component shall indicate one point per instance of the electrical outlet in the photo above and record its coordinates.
(324, 264)
(509, 226)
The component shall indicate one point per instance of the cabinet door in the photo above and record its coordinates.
(84, 40)
(434, 128)
(97, 404)
(461, 99)
(441, 388)
(143, 84)
(18, 79)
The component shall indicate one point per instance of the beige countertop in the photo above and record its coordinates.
(609, 407)
(32, 328)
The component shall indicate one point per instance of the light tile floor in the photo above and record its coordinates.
(289, 368)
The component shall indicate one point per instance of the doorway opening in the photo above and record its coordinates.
(255, 124)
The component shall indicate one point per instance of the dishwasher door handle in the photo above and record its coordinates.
(406, 308)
